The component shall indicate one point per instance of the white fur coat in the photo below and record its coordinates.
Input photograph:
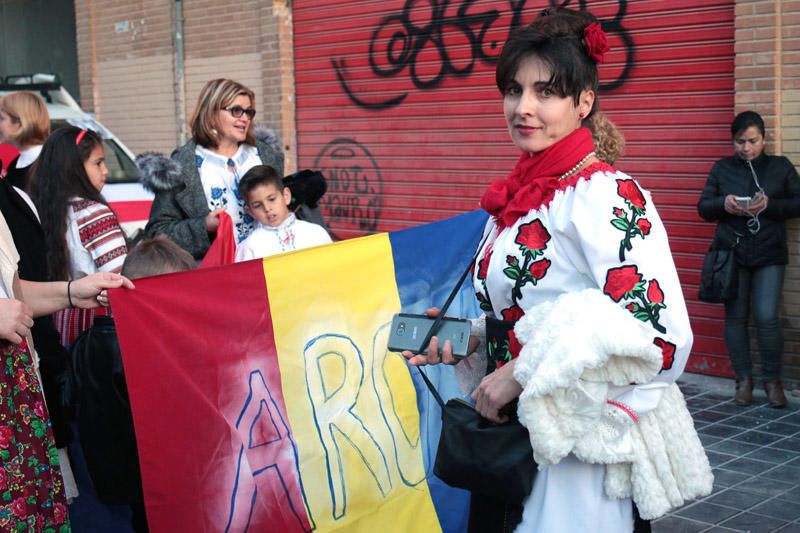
(574, 348)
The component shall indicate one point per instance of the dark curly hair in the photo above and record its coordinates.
(59, 175)
(555, 37)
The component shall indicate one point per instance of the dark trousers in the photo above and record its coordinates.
(760, 292)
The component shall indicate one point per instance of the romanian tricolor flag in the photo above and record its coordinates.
(265, 399)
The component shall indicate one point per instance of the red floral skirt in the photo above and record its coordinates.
(31, 489)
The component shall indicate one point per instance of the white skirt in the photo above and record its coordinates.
(569, 497)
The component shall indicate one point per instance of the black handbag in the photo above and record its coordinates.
(719, 280)
(491, 460)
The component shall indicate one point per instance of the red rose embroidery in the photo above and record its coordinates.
(5, 436)
(644, 226)
(625, 283)
(19, 507)
(512, 313)
(620, 281)
(654, 292)
(38, 408)
(618, 212)
(667, 352)
(514, 346)
(539, 269)
(60, 513)
(533, 236)
(596, 42)
(483, 265)
(630, 191)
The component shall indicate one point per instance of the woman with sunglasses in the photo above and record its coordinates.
(187, 206)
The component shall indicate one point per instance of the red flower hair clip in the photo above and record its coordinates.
(595, 41)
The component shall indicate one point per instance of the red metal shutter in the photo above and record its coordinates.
(396, 103)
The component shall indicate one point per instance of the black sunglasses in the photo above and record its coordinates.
(237, 111)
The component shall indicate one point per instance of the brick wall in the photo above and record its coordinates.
(768, 81)
(127, 58)
(125, 67)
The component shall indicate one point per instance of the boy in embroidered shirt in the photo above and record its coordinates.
(277, 230)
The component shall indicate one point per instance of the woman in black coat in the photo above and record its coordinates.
(25, 124)
(751, 194)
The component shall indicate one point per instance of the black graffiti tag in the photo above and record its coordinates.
(355, 186)
(423, 28)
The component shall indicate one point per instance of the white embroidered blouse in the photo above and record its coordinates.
(291, 234)
(95, 240)
(220, 176)
(600, 230)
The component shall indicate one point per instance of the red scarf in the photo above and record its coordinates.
(535, 178)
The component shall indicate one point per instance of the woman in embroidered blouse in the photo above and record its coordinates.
(577, 262)
(82, 233)
(222, 149)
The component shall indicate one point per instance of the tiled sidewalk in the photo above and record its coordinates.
(755, 454)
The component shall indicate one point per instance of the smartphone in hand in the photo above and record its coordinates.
(409, 330)
(743, 201)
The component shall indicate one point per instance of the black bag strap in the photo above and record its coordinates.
(431, 388)
(437, 323)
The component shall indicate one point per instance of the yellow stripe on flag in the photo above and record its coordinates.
(351, 404)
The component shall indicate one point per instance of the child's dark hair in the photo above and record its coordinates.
(555, 37)
(158, 255)
(58, 176)
(256, 177)
(747, 119)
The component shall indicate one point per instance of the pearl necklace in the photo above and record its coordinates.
(577, 167)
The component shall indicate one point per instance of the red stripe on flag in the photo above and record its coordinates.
(130, 211)
(231, 465)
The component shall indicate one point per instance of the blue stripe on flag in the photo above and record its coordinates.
(428, 261)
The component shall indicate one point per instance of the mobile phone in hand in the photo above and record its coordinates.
(743, 201)
(409, 330)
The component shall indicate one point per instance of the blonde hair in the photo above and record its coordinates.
(217, 94)
(30, 112)
(609, 143)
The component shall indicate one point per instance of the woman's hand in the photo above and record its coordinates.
(90, 291)
(758, 204)
(732, 206)
(496, 391)
(16, 320)
(432, 355)
(212, 220)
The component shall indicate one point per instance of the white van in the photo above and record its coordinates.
(127, 197)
